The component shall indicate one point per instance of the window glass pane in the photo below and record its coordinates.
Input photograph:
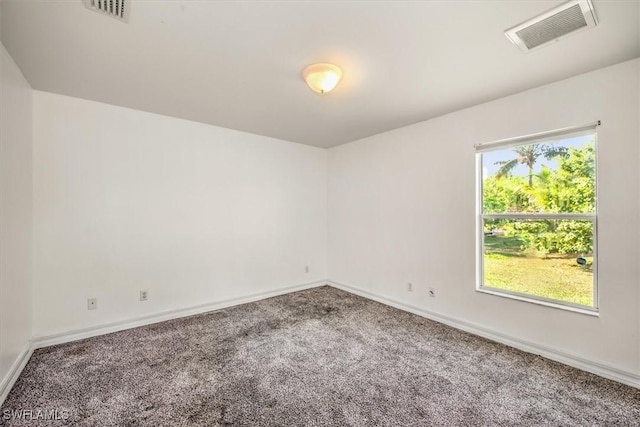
(552, 259)
(550, 177)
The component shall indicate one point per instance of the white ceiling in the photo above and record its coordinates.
(237, 64)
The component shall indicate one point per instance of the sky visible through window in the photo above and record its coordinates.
(489, 158)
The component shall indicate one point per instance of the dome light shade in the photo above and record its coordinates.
(322, 78)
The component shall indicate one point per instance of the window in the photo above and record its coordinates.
(537, 218)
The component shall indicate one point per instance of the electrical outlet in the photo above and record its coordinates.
(306, 268)
(92, 303)
(409, 286)
(432, 292)
(144, 295)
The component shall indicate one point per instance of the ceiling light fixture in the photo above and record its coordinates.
(322, 78)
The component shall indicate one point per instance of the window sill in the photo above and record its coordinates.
(505, 294)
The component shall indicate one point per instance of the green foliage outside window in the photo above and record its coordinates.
(568, 188)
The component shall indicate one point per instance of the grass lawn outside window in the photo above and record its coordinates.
(556, 277)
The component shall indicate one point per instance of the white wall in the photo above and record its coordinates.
(126, 200)
(15, 214)
(638, 119)
(402, 204)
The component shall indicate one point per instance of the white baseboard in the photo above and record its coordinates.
(597, 368)
(16, 369)
(78, 334)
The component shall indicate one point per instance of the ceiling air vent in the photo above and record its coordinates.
(553, 25)
(118, 9)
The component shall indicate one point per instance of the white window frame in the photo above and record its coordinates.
(481, 216)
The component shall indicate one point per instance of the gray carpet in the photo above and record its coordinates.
(315, 357)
